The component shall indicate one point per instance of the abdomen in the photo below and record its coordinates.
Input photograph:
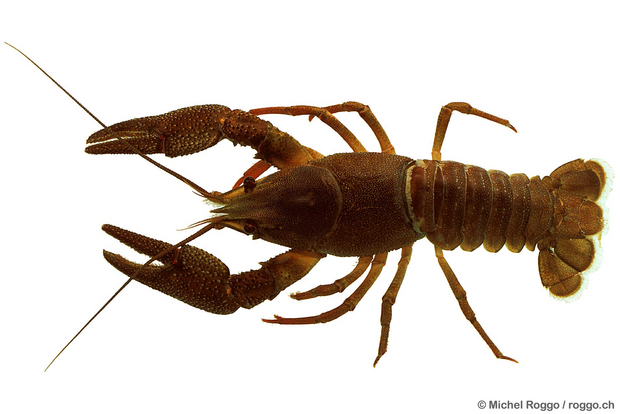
(455, 204)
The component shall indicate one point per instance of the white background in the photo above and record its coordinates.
(551, 68)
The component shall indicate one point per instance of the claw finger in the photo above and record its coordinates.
(130, 268)
(140, 243)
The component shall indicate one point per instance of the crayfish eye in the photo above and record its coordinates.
(249, 227)
(249, 183)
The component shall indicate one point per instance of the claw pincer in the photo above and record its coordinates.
(181, 132)
(189, 274)
(200, 279)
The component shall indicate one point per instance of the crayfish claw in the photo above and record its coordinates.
(188, 274)
(200, 279)
(181, 132)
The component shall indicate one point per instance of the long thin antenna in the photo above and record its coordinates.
(190, 183)
(57, 84)
(88, 323)
(193, 185)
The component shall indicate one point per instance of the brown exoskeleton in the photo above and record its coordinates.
(355, 204)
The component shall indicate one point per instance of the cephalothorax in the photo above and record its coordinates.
(355, 204)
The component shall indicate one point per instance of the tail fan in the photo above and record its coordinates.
(580, 189)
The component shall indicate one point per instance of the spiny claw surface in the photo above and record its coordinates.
(189, 274)
(181, 132)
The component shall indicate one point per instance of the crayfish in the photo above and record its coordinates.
(358, 204)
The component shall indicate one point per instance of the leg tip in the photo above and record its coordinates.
(508, 358)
